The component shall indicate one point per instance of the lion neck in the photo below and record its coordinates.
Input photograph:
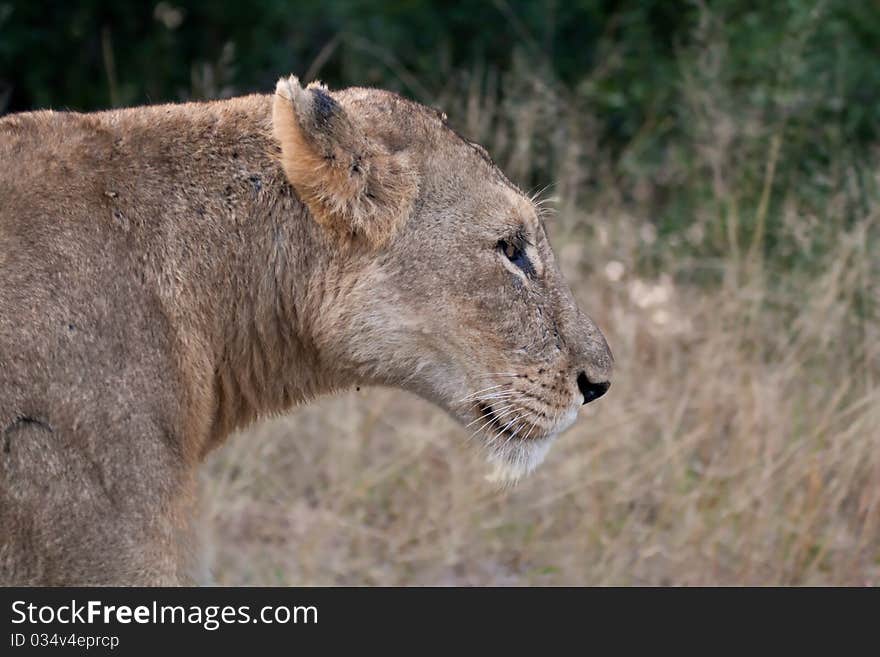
(245, 293)
(267, 353)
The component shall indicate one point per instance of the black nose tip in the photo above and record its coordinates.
(591, 391)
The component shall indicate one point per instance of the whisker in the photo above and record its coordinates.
(534, 196)
(495, 417)
(511, 374)
(474, 394)
(529, 434)
(498, 417)
(502, 430)
(481, 417)
(500, 395)
(513, 435)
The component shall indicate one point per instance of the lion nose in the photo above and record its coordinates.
(591, 391)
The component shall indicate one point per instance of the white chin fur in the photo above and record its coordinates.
(514, 461)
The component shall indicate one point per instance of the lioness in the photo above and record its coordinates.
(169, 274)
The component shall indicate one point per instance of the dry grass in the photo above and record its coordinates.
(721, 457)
(738, 445)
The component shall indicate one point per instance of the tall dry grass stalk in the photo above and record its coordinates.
(740, 442)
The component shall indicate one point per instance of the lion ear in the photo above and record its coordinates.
(352, 185)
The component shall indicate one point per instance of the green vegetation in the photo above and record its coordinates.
(787, 93)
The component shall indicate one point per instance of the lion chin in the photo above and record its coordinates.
(513, 460)
(510, 463)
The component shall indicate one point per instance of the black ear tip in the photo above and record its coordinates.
(325, 106)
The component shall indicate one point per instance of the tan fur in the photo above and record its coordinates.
(169, 274)
(351, 184)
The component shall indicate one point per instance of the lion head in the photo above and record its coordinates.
(450, 288)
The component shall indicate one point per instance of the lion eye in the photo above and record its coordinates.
(516, 255)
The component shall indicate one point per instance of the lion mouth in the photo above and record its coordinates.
(513, 451)
(500, 427)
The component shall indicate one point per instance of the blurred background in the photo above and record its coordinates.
(713, 169)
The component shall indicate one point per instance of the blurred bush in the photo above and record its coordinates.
(724, 107)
